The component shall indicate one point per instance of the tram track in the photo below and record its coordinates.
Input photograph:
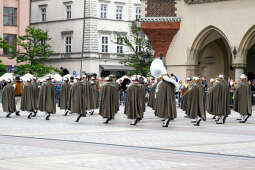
(155, 149)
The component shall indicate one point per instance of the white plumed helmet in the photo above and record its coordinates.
(157, 68)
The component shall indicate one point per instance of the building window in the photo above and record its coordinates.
(119, 12)
(103, 14)
(138, 13)
(119, 46)
(43, 41)
(68, 44)
(10, 16)
(68, 12)
(43, 13)
(138, 49)
(104, 44)
(11, 39)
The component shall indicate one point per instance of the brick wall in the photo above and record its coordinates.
(160, 8)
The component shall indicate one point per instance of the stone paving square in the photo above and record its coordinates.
(61, 143)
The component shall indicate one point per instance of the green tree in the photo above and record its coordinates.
(140, 47)
(3, 45)
(37, 69)
(33, 46)
(3, 68)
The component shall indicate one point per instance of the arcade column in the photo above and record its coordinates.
(239, 69)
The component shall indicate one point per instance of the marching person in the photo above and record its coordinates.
(165, 93)
(151, 102)
(209, 101)
(27, 99)
(220, 100)
(184, 96)
(116, 92)
(36, 91)
(196, 99)
(76, 99)
(8, 99)
(64, 94)
(242, 99)
(94, 95)
(107, 107)
(142, 81)
(134, 107)
(47, 100)
(86, 93)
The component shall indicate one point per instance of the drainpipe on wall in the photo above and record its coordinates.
(30, 2)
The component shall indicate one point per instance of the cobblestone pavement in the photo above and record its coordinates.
(62, 144)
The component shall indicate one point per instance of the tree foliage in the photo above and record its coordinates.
(3, 45)
(3, 69)
(33, 46)
(140, 47)
(37, 69)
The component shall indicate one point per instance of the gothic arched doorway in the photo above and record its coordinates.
(211, 54)
(250, 67)
(247, 52)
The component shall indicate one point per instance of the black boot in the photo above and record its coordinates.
(167, 123)
(66, 113)
(48, 117)
(198, 122)
(35, 113)
(224, 119)
(78, 118)
(217, 119)
(245, 120)
(29, 116)
(108, 120)
(92, 112)
(8, 115)
(136, 121)
(17, 113)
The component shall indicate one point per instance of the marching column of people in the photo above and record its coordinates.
(82, 97)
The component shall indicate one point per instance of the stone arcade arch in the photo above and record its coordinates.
(210, 54)
(247, 52)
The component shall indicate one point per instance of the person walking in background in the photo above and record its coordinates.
(123, 87)
(220, 97)
(196, 99)
(108, 101)
(165, 99)
(152, 96)
(64, 95)
(36, 91)
(47, 99)
(94, 95)
(134, 107)
(179, 92)
(8, 99)
(76, 99)
(242, 99)
(27, 99)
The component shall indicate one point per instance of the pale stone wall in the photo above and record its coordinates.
(233, 18)
(23, 11)
(95, 29)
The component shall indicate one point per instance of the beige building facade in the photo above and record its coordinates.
(63, 19)
(14, 18)
(214, 37)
